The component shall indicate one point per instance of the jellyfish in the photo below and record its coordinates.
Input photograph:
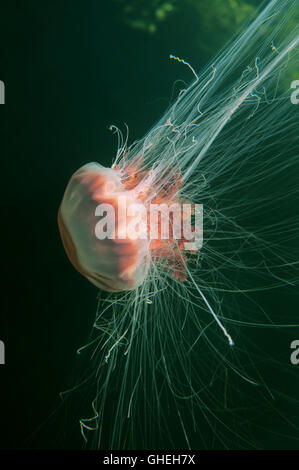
(171, 351)
(113, 260)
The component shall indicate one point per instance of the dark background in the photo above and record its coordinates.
(71, 69)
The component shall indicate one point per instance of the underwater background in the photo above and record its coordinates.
(71, 69)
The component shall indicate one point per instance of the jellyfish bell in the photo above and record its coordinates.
(111, 264)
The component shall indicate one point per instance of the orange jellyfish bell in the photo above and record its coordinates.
(111, 264)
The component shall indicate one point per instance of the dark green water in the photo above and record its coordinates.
(71, 69)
